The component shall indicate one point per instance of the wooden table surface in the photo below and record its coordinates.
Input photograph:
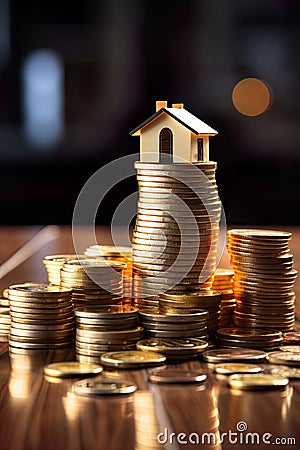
(39, 414)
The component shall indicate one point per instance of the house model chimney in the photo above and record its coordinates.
(161, 104)
(178, 105)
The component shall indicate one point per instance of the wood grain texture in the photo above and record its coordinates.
(39, 414)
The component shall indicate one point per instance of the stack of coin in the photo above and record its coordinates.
(223, 281)
(112, 253)
(93, 282)
(4, 323)
(41, 316)
(267, 340)
(263, 279)
(53, 265)
(204, 299)
(192, 323)
(177, 226)
(106, 328)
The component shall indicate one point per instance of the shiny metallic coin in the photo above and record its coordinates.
(200, 334)
(186, 166)
(4, 302)
(292, 373)
(132, 359)
(260, 234)
(107, 312)
(242, 333)
(104, 386)
(257, 381)
(265, 345)
(292, 337)
(215, 356)
(38, 290)
(174, 326)
(285, 358)
(134, 333)
(71, 369)
(176, 376)
(39, 346)
(173, 346)
(290, 348)
(229, 368)
(156, 316)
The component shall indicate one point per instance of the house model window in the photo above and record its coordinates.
(200, 149)
(173, 135)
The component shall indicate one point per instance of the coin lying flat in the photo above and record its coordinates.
(285, 358)
(176, 376)
(230, 354)
(285, 371)
(229, 368)
(71, 369)
(132, 359)
(290, 348)
(292, 337)
(257, 381)
(104, 386)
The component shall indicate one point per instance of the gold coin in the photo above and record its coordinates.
(71, 369)
(132, 359)
(257, 381)
(104, 386)
(230, 368)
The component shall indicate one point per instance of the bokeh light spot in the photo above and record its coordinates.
(251, 97)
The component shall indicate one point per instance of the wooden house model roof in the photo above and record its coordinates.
(182, 116)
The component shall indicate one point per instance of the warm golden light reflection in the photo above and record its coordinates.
(20, 376)
(287, 400)
(72, 405)
(251, 97)
(146, 425)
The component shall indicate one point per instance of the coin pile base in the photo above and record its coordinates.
(256, 338)
(106, 328)
(42, 317)
(263, 279)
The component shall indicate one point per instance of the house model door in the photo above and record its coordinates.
(166, 146)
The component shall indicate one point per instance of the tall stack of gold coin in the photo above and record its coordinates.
(177, 226)
(112, 253)
(93, 282)
(263, 279)
(223, 281)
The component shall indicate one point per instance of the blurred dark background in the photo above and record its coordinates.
(75, 78)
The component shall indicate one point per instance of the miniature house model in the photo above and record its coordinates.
(173, 135)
